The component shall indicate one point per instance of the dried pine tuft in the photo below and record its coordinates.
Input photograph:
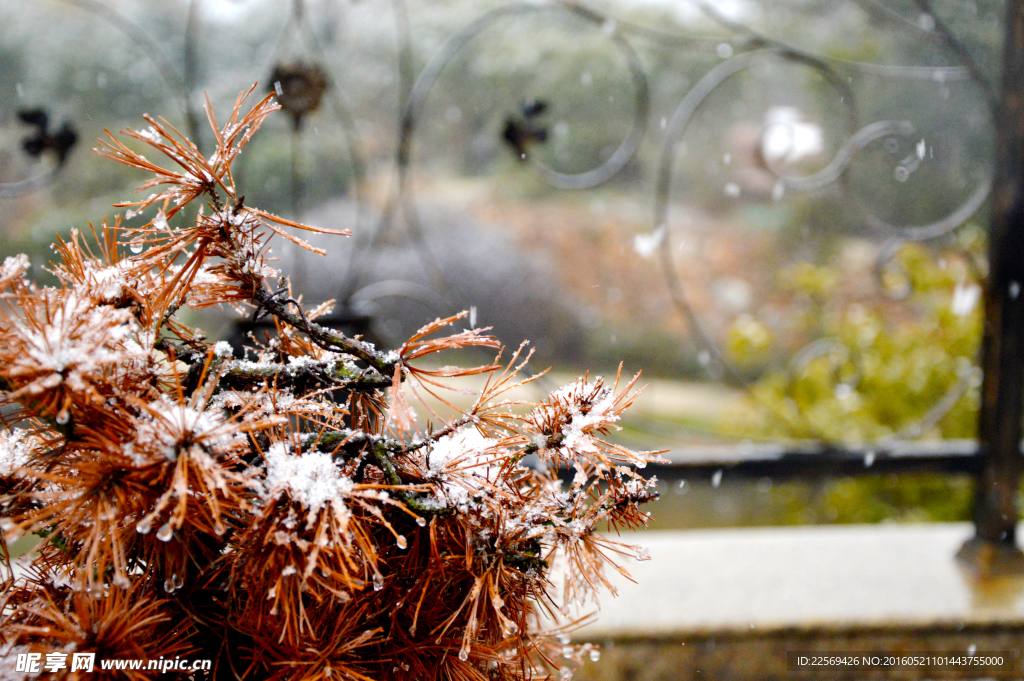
(284, 516)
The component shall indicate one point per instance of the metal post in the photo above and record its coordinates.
(994, 550)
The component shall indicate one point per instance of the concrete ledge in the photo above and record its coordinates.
(729, 604)
(762, 656)
(831, 576)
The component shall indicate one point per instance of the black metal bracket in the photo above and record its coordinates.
(994, 548)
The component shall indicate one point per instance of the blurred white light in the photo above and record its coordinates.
(646, 244)
(227, 11)
(788, 139)
(965, 298)
(732, 294)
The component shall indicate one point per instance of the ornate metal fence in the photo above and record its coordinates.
(296, 51)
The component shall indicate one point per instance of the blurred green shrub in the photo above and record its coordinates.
(896, 365)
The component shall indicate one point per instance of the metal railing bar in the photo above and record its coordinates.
(818, 460)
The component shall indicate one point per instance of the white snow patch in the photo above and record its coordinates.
(108, 281)
(172, 424)
(464, 449)
(15, 447)
(601, 413)
(14, 266)
(80, 337)
(461, 461)
(310, 478)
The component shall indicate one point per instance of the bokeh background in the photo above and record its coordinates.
(776, 210)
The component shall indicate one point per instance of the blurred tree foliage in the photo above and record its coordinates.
(880, 369)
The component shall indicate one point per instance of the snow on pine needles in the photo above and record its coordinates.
(286, 515)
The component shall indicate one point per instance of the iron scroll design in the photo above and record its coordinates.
(748, 48)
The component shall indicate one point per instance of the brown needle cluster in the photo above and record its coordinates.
(283, 515)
